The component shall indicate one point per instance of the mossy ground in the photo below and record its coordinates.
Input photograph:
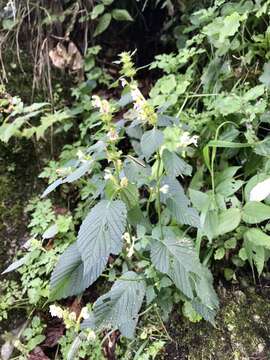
(242, 330)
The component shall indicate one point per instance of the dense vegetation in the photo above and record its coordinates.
(149, 121)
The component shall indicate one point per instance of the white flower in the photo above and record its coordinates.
(112, 135)
(96, 102)
(124, 82)
(108, 174)
(124, 182)
(164, 189)
(72, 316)
(126, 237)
(84, 313)
(187, 140)
(91, 335)
(260, 191)
(56, 311)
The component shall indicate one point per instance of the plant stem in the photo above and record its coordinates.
(158, 195)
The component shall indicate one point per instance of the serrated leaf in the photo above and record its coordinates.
(228, 220)
(103, 24)
(183, 214)
(101, 232)
(174, 165)
(255, 212)
(151, 141)
(179, 261)
(69, 277)
(121, 15)
(119, 307)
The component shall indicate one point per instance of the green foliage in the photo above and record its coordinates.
(162, 188)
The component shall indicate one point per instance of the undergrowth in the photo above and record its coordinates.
(159, 187)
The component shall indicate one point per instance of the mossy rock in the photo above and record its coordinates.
(242, 331)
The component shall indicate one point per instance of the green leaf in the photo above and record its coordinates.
(254, 93)
(190, 313)
(130, 195)
(199, 199)
(50, 232)
(253, 248)
(174, 165)
(228, 220)
(103, 24)
(52, 187)
(219, 253)
(177, 259)
(101, 232)
(257, 237)
(121, 15)
(119, 307)
(229, 187)
(69, 277)
(98, 10)
(151, 141)
(255, 212)
(260, 191)
(183, 214)
(265, 77)
(15, 265)
(75, 175)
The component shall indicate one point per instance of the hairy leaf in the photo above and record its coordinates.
(119, 307)
(151, 142)
(101, 232)
(179, 261)
(174, 165)
(69, 277)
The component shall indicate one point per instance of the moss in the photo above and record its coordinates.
(242, 331)
(17, 175)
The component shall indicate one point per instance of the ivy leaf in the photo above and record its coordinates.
(103, 24)
(101, 232)
(179, 261)
(265, 77)
(151, 142)
(121, 15)
(69, 278)
(174, 165)
(119, 307)
(255, 212)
